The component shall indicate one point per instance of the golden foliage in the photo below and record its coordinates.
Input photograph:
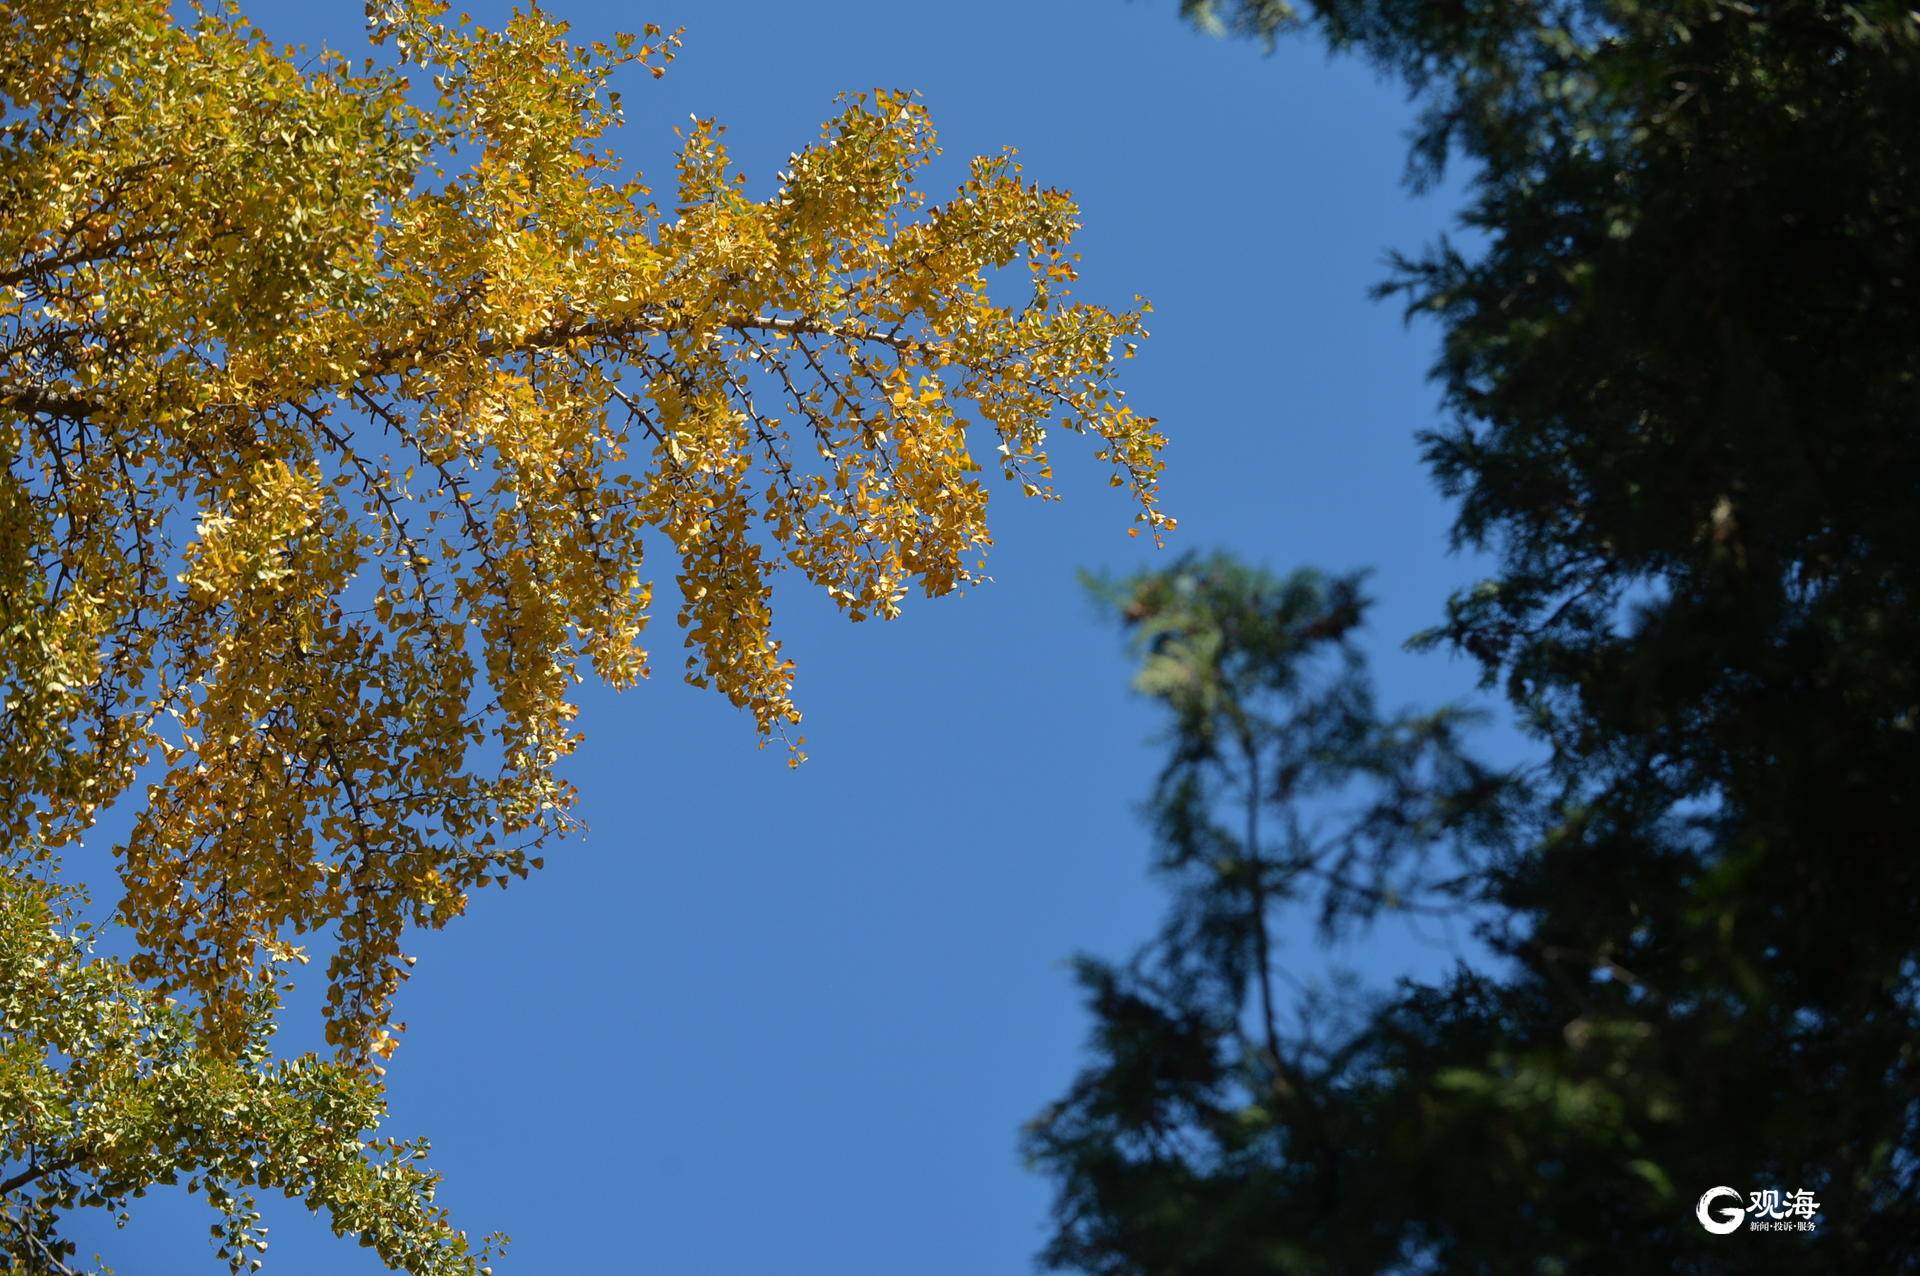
(334, 424)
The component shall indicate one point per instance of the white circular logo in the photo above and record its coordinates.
(1730, 1217)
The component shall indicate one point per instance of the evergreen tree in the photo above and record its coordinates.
(1682, 392)
(1203, 1140)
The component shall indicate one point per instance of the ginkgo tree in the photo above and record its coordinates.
(337, 401)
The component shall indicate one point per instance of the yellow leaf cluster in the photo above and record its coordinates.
(337, 414)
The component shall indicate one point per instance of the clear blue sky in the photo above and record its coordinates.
(773, 1022)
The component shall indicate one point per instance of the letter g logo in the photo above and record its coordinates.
(1730, 1216)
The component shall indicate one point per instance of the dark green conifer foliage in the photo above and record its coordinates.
(1205, 1138)
(1682, 382)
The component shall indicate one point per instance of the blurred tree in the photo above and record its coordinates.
(1215, 1132)
(1684, 376)
(332, 415)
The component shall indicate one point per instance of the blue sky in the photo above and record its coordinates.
(763, 1021)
